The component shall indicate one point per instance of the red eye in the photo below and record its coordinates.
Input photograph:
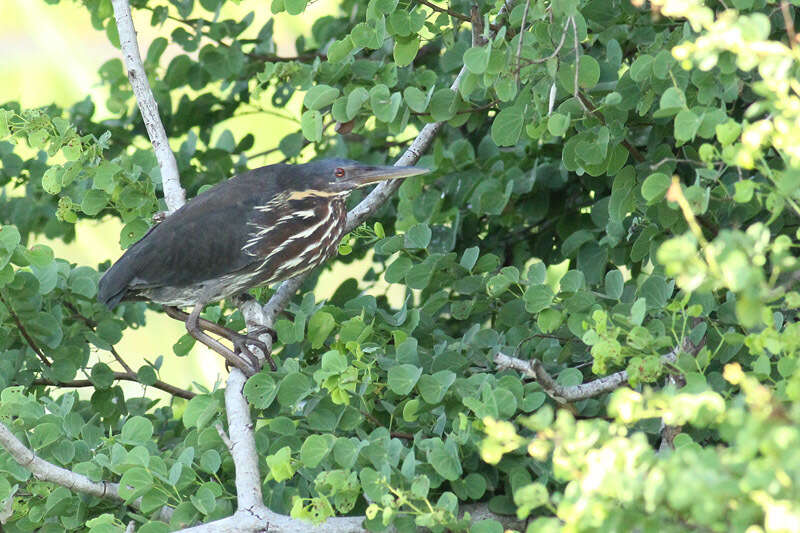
(339, 172)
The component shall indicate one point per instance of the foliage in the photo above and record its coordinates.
(549, 229)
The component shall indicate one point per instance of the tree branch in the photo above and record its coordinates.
(45, 471)
(24, 332)
(174, 194)
(120, 376)
(49, 472)
(455, 14)
(564, 394)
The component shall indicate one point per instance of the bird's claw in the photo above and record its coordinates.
(242, 343)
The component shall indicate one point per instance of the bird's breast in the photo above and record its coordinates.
(286, 242)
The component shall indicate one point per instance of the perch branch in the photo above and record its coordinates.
(565, 394)
(355, 217)
(252, 514)
(174, 194)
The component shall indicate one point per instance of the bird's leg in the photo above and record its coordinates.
(195, 331)
(239, 341)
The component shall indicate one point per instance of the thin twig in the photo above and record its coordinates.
(119, 376)
(174, 195)
(120, 360)
(789, 23)
(454, 14)
(522, 38)
(551, 56)
(224, 436)
(577, 63)
(24, 332)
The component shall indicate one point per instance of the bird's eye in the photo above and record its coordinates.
(339, 172)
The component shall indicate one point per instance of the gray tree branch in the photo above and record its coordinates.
(46, 471)
(174, 194)
(565, 394)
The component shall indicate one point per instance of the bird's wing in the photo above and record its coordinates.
(203, 240)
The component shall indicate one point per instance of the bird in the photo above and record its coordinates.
(257, 228)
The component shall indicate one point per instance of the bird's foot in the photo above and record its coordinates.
(263, 330)
(242, 343)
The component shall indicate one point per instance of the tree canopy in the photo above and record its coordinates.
(596, 326)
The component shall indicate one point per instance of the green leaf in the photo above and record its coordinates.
(418, 237)
(686, 125)
(137, 430)
(641, 68)
(134, 483)
(672, 101)
(293, 388)
(744, 191)
(655, 187)
(320, 96)
(200, 411)
(280, 464)
(363, 35)
(476, 59)
(384, 103)
(416, 99)
(507, 126)
(443, 105)
(311, 125)
(470, 257)
(51, 180)
(319, 327)
(549, 320)
(295, 7)
(402, 378)
(102, 376)
(9, 239)
(405, 50)
(210, 461)
(614, 284)
(396, 272)
(444, 459)
(557, 124)
(315, 449)
(203, 500)
(432, 388)
(486, 526)
(357, 98)
(260, 390)
(93, 202)
(728, 132)
(339, 50)
(537, 298)
(638, 310)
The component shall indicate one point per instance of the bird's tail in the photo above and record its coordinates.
(113, 286)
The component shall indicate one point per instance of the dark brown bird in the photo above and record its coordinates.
(263, 226)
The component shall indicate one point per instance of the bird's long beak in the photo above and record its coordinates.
(367, 175)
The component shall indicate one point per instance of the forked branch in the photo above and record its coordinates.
(174, 194)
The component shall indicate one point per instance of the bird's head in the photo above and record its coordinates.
(340, 176)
